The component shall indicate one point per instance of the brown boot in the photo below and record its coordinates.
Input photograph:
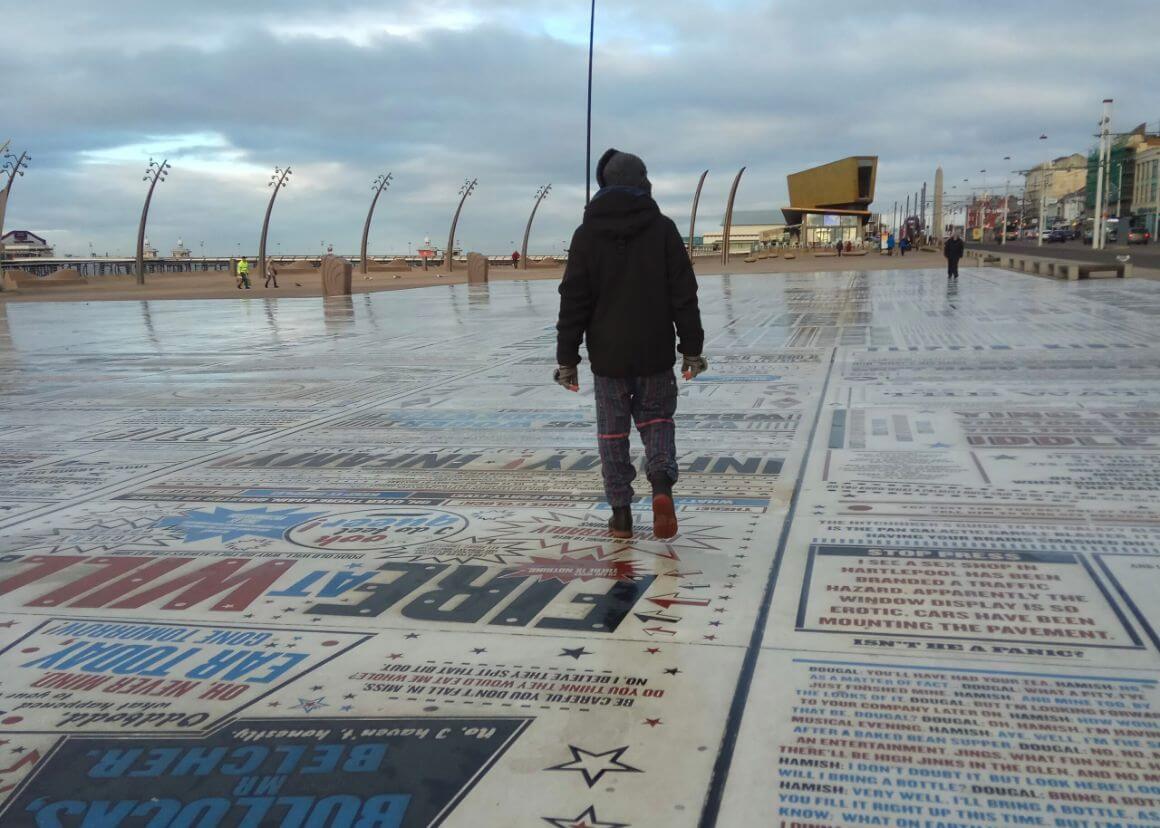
(620, 524)
(664, 511)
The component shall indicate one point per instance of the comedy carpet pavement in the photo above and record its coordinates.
(295, 563)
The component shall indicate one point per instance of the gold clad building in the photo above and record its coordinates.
(832, 202)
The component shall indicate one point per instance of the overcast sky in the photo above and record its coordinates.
(440, 90)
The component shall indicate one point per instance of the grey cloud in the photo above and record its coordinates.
(686, 85)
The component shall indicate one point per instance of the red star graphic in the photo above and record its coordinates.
(652, 722)
(653, 650)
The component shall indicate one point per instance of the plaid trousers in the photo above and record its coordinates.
(650, 402)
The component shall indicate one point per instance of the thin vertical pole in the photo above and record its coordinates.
(726, 239)
(1119, 191)
(1098, 206)
(693, 217)
(588, 150)
(1043, 203)
(1006, 207)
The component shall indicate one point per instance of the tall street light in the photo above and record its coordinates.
(1006, 204)
(693, 214)
(588, 149)
(154, 174)
(14, 165)
(467, 189)
(1043, 201)
(983, 212)
(278, 180)
(378, 185)
(1099, 224)
(541, 194)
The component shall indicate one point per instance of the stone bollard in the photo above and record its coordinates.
(477, 269)
(336, 274)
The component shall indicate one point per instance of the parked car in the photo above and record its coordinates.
(1112, 235)
(1058, 235)
(1138, 235)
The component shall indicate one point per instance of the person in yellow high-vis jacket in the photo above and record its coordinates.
(243, 273)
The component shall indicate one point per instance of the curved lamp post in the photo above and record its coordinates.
(693, 218)
(154, 174)
(541, 194)
(14, 165)
(278, 180)
(729, 218)
(378, 185)
(467, 189)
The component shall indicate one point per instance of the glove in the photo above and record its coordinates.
(694, 365)
(566, 376)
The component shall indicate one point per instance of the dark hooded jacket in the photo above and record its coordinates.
(628, 282)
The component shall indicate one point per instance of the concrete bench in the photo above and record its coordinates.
(982, 258)
(1069, 269)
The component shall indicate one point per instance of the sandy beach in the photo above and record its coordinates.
(303, 283)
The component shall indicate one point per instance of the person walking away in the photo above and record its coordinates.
(890, 245)
(902, 243)
(629, 291)
(271, 272)
(515, 260)
(243, 273)
(838, 246)
(953, 250)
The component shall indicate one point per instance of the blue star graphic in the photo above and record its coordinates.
(310, 705)
(230, 524)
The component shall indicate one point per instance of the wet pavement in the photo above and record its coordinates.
(345, 563)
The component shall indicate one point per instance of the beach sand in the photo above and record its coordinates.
(303, 283)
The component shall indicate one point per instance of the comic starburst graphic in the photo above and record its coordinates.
(118, 529)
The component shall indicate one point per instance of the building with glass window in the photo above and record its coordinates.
(24, 244)
(831, 202)
(751, 229)
(1146, 188)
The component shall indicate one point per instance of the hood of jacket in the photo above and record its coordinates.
(620, 212)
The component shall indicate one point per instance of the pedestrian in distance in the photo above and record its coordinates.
(243, 273)
(630, 293)
(515, 260)
(838, 246)
(271, 272)
(953, 250)
(890, 245)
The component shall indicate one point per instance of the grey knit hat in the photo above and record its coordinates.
(624, 169)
